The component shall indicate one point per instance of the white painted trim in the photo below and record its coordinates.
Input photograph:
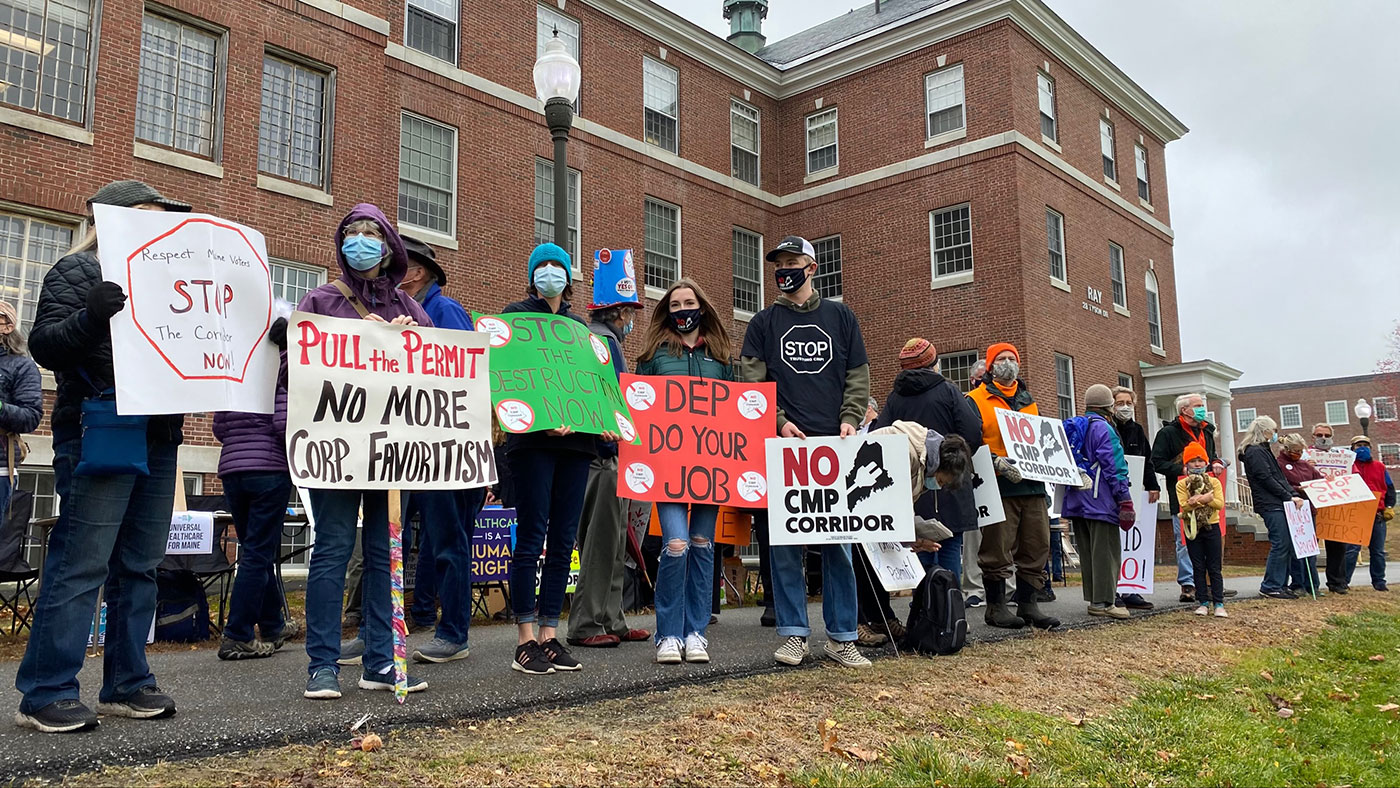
(946, 137)
(1060, 284)
(1122, 310)
(1156, 351)
(53, 128)
(171, 158)
(821, 175)
(297, 190)
(1053, 144)
(428, 236)
(1115, 198)
(654, 293)
(1112, 184)
(952, 280)
(198, 459)
(1147, 205)
(743, 315)
(351, 14)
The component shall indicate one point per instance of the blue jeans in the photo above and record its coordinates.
(335, 512)
(549, 490)
(684, 577)
(423, 611)
(258, 502)
(112, 530)
(1302, 575)
(838, 591)
(1057, 556)
(1377, 554)
(949, 556)
(1185, 573)
(447, 518)
(1280, 552)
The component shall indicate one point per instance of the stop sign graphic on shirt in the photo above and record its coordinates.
(806, 349)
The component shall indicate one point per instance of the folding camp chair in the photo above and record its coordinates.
(213, 567)
(14, 568)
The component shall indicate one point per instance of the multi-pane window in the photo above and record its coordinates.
(1384, 408)
(1154, 312)
(957, 368)
(1055, 239)
(1110, 161)
(662, 225)
(28, 248)
(821, 141)
(291, 281)
(1245, 417)
(293, 129)
(431, 28)
(748, 271)
(1064, 385)
(1140, 155)
(1290, 417)
(1337, 412)
(427, 173)
(1390, 454)
(661, 102)
(1125, 380)
(40, 483)
(943, 99)
(1117, 276)
(544, 207)
(549, 21)
(1046, 88)
(827, 282)
(743, 142)
(951, 230)
(176, 92)
(44, 56)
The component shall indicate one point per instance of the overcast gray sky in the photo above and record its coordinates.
(1284, 194)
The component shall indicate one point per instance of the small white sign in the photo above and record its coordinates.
(1300, 529)
(1350, 488)
(191, 533)
(829, 490)
(897, 566)
(1332, 462)
(985, 491)
(1139, 549)
(1038, 446)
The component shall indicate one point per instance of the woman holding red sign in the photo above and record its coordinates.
(685, 338)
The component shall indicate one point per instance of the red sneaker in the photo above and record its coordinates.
(636, 636)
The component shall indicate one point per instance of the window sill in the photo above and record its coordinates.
(654, 293)
(1059, 284)
(297, 190)
(1053, 144)
(743, 315)
(1147, 205)
(946, 137)
(176, 159)
(1156, 351)
(951, 280)
(1338, 423)
(53, 128)
(1112, 184)
(428, 236)
(821, 175)
(1122, 310)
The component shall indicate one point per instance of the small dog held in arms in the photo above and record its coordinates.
(1196, 484)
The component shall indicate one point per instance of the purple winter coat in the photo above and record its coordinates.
(1105, 455)
(255, 441)
(380, 295)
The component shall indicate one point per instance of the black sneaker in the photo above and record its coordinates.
(147, 703)
(61, 716)
(244, 649)
(1135, 602)
(559, 656)
(1229, 592)
(1381, 587)
(530, 659)
(1282, 593)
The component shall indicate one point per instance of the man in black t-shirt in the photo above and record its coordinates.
(812, 349)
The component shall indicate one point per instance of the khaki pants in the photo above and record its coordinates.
(1020, 545)
(1100, 558)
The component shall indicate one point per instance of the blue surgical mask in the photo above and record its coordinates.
(362, 252)
(1273, 439)
(1363, 453)
(1201, 471)
(1199, 414)
(550, 280)
(627, 328)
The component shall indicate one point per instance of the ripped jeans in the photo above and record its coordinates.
(686, 571)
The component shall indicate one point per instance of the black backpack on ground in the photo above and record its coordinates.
(937, 620)
(182, 609)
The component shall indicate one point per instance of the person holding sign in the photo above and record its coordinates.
(685, 338)
(1202, 500)
(1302, 575)
(1271, 490)
(373, 262)
(1098, 512)
(116, 476)
(813, 350)
(1377, 478)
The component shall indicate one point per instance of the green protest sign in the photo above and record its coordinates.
(549, 372)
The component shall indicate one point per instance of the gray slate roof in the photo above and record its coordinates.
(847, 25)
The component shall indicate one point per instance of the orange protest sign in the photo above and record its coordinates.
(1348, 522)
(732, 527)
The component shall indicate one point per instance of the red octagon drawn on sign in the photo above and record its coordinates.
(136, 313)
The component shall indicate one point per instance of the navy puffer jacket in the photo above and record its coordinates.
(21, 398)
(255, 441)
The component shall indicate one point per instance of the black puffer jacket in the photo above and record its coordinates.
(67, 343)
(1267, 483)
(926, 397)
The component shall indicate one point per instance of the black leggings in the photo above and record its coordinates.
(1205, 561)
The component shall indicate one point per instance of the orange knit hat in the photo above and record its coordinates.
(998, 349)
(1194, 451)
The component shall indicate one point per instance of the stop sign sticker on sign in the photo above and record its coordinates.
(497, 328)
(515, 416)
(639, 478)
(641, 395)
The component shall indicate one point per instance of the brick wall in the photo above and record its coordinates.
(1312, 396)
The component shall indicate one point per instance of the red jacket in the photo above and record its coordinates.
(1374, 474)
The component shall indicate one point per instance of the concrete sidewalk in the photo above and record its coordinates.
(227, 706)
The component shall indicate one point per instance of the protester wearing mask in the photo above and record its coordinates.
(113, 527)
(1302, 574)
(1271, 491)
(595, 611)
(1202, 500)
(820, 393)
(685, 337)
(21, 397)
(1189, 426)
(1370, 468)
(1135, 444)
(1022, 541)
(1101, 512)
(1322, 437)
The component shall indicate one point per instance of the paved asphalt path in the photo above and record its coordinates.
(229, 706)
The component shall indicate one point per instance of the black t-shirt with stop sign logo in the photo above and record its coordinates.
(808, 354)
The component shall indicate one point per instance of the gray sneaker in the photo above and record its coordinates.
(351, 652)
(440, 650)
(244, 649)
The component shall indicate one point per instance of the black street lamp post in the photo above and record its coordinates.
(557, 77)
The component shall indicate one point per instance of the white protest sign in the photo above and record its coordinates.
(1300, 528)
(1332, 462)
(1039, 447)
(375, 406)
(193, 334)
(1136, 466)
(985, 491)
(897, 566)
(191, 533)
(1350, 488)
(823, 490)
(1139, 549)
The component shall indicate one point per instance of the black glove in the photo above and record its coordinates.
(104, 300)
(277, 333)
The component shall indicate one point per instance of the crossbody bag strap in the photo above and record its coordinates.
(351, 297)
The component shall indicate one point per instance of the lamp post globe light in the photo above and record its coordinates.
(557, 78)
(1363, 414)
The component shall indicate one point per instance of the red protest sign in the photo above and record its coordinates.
(701, 441)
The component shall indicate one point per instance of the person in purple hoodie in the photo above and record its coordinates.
(372, 261)
(1105, 505)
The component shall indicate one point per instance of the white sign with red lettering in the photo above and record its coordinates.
(1331, 463)
(1350, 488)
(1038, 446)
(1300, 529)
(1139, 548)
(823, 490)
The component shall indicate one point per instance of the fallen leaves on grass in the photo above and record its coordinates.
(826, 729)
(1267, 676)
(367, 743)
(1384, 707)
(1377, 658)
(1021, 764)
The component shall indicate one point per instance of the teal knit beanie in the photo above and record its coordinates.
(545, 253)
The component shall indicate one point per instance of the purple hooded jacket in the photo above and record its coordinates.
(1105, 453)
(379, 295)
(255, 441)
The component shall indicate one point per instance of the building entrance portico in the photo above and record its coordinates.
(1211, 379)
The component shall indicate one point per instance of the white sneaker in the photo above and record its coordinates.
(668, 651)
(1202, 611)
(846, 653)
(793, 651)
(1220, 612)
(695, 645)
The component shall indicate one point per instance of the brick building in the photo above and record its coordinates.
(969, 170)
(1298, 406)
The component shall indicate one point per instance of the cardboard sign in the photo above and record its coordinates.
(1300, 529)
(193, 334)
(1350, 488)
(1139, 548)
(897, 566)
(549, 372)
(1039, 447)
(701, 440)
(493, 539)
(732, 526)
(1331, 463)
(374, 406)
(824, 490)
(985, 491)
(191, 533)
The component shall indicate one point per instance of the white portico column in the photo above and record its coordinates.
(1225, 431)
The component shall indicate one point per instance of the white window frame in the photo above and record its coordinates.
(1283, 421)
(1069, 368)
(216, 110)
(1141, 167)
(1154, 307)
(317, 272)
(28, 268)
(653, 68)
(547, 20)
(653, 291)
(947, 73)
(1327, 412)
(744, 314)
(327, 116)
(1394, 453)
(956, 277)
(455, 20)
(1245, 417)
(746, 112)
(951, 361)
(575, 218)
(49, 64)
(839, 273)
(1118, 276)
(1126, 381)
(1045, 87)
(1051, 251)
(811, 126)
(451, 233)
(1376, 408)
(1108, 151)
